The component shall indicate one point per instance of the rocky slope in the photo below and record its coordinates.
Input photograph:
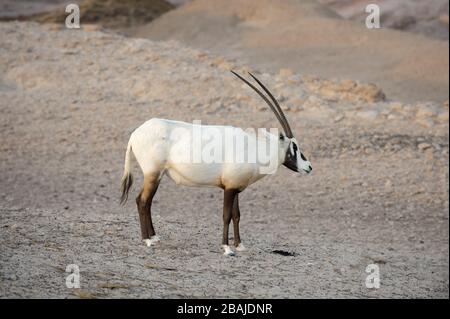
(429, 18)
(309, 38)
(112, 14)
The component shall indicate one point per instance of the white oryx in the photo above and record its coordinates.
(166, 147)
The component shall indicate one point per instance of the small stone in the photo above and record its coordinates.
(437, 146)
(297, 102)
(285, 73)
(426, 111)
(388, 184)
(424, 146)
(52, 26)
(338, 118)
(445, 104)
(443, 116)
(12, 277)
(429, 154)
(391, 117)
(91, 27)
(347, 85)
(368, 115)
(428, 123)
(444, 19)
(396, 106)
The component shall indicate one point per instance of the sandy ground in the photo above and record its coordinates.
(325, 38)
(71, 98)
(310, 38)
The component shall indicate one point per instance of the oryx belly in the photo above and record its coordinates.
(195, 174)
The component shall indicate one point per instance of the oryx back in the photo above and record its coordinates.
(196, 155)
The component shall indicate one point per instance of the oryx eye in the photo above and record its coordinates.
(294, 147)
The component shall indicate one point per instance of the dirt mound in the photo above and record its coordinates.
(112, 14)
(22, 9)
(424, 17)
(310, 39)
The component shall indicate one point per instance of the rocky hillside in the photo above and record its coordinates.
(174, 75)
(112, 14)
(428, 18)
(309, 38)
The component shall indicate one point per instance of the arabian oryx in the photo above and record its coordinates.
(164, 147)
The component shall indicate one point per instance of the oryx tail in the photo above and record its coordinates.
(127, 178)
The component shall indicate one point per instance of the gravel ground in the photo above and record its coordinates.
(69, 101)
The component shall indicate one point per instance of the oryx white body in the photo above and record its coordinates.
(165, 147)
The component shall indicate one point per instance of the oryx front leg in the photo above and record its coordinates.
(228, 202)
(144, 205)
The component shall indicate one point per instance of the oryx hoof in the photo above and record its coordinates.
(228, 251)
(241, 247)
(153, 240)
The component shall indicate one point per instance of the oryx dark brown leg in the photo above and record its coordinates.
(228, 202)
(142, 220)
(236, 215)
(144, 205)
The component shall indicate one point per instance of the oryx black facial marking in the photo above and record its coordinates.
(290, 160)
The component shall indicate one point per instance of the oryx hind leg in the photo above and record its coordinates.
(228, 202)
(144, 205)
(236, 216)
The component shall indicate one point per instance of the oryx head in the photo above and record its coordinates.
(294, 158)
